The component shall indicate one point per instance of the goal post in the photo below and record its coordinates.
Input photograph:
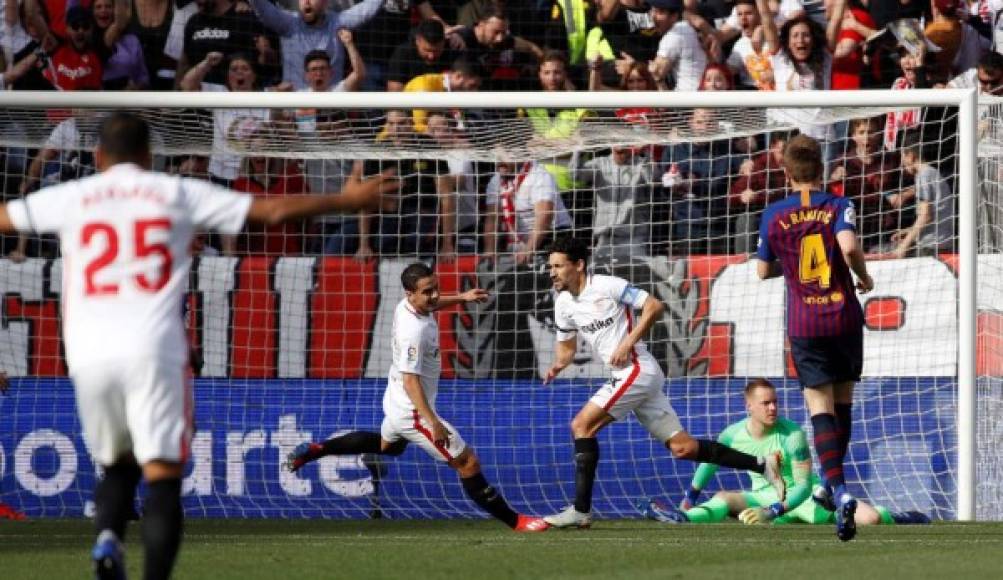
(289, 293)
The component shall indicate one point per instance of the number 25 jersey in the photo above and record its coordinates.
(125, 236)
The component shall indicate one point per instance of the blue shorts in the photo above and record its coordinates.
(822, 360)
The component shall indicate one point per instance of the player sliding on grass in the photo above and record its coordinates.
(125, 235)
(812, 234)
(409, 401)
(764, 432)
(602, 308)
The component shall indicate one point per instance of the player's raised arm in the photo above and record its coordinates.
(355, 196)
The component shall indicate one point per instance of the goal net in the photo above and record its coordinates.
(290, 326)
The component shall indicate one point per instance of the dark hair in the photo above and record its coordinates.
(316, 55)
(803, 159)
(758, 383)
(413, 273)
(551, 55)
(493, 12)
(641, 68)
(912, 142)
(124, 136)
(816, 58)
(431, 31)
(246, 57)
(749, 2)
(574, 248)
(468, 67)
(991, 62)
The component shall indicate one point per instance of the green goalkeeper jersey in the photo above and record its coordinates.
(787, 437)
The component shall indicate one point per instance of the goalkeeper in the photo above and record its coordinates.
(762, 433)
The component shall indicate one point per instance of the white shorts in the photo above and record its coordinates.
(143, 406)
(640, 388)
(410, 426)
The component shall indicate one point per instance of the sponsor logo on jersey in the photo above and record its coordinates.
(211, 34)
(74, 73)
(850, 215)
(598, 325)
(412, 354)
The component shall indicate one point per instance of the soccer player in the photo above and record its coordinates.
(409, 401)
(125, 234)
(809, 238)
(602, 307)
(761, 433)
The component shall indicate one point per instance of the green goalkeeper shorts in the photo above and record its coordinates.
(808, 512)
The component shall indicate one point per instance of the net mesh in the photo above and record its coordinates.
(290, 326)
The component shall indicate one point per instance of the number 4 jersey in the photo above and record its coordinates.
(126, 237)
(800, 231)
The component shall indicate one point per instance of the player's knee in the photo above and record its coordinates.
(466, 464)
(582, 428)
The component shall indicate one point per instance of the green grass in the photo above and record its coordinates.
(428, 550)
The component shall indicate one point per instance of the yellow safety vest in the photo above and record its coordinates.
(573, 12)
(560, 126)
(597, 45)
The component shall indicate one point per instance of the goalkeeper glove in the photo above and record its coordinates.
(692, 495)
(761, 515)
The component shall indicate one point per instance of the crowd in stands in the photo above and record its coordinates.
(698, 194)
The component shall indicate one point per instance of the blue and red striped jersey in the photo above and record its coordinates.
(800, 231)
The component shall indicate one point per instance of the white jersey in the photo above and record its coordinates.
(125, 236)
(603, 311)
(416, 352)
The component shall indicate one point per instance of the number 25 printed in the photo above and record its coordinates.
(141, 229)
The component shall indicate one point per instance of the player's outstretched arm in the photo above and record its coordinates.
(472, 295)
(564, 354)
(357, 195)
(854, 257)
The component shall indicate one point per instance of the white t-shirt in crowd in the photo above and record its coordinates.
(681, 45)
(224, 162)
(125, 236)
(539, 185)
(790, 78)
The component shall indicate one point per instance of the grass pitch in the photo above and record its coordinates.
(476, 550)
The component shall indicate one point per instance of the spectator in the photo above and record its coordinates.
(75, 65)
(525, 207)
(698, 168)
(636, 76)
(802, 61)
(750, 56)
(266, 176)
(716, 77)
(848, 54)
(159, 25)
(987, 76)
(960, 44)
(933, 229)
(623, 186)
(229, 125)
(761, 180)
(120, 51)
(623, 34)
(680, 52)
(220, 27)
(390, 27)
(412, 227)
(314, 27)
(464, 75)
(317, 126)
(66, 155)
(490, 43)
(913, 76)
(424, 53)
(458, 203)
(864, 174)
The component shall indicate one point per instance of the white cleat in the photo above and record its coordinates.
(774, 475)
(570, 518)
